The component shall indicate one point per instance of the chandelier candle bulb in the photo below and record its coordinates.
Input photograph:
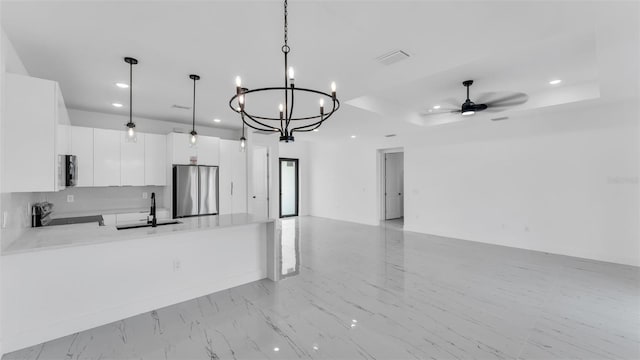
(291, 74)
(238, 85)
(281, 108)
(321, 106)
(333, 90)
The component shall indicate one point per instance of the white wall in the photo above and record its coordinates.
(561, 180)
(117, 122)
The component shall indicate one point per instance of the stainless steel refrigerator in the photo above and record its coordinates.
(195, 190)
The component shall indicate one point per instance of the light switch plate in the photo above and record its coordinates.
(69, 198)
(145, 195)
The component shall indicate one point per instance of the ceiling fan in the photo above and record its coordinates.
(490, 101)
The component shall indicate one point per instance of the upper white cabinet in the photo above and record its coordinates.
(106, 157)
(180, 149)
(232, 178)
(208, 150)
(82, 148)
(155, 160)
(132, 160)
(37, 132)
(205, 152)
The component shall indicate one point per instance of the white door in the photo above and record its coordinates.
(394, 182)
(260, 192)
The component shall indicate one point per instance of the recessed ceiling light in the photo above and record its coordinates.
(555, 82)
(315, 130)
(118, 105)
(276, 349)
(353, 136)
(122, 85)
(436, 107)
(216, 120)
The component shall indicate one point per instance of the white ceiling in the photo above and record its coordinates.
(504, 46)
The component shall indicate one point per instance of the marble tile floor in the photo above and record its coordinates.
(365, 292)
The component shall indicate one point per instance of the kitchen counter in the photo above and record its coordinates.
(53, 237)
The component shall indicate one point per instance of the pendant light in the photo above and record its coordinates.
(131, 126)
(243, 140)
(193, 139)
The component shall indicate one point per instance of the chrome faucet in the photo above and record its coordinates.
(152, 213)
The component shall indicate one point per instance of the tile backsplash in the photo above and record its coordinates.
(103, 198)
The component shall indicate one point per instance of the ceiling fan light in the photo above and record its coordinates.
(468, 112)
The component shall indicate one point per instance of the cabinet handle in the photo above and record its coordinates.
(232, 188)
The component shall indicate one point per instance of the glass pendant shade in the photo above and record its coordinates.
(193, 138)
(243, 144)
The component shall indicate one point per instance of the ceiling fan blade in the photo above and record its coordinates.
(440, 112)
(484, 97)
(509, 100)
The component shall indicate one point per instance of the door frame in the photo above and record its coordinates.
(297, 162)
(382, 205)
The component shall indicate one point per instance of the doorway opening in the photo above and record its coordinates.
(392, 189)
(288, 187)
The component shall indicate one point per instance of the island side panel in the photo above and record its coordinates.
(87, 286)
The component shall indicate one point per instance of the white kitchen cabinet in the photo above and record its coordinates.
(208, 150)
(232, 178)
(82, 148)
(180, 149)
(132, 160)
(155, 160)
(36, 134)
(106, 157)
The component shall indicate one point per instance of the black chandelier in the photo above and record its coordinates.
(286, 124)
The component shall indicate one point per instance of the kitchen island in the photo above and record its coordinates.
(94, 275)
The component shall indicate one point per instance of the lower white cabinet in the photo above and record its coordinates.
(106, 157)
(232, 178)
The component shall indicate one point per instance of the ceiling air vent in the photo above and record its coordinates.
(181, 107)
(392, 57)
(390, 135)
(500, 118)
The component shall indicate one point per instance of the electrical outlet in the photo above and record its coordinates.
(176, 265)
(145, 195)
(70, 198)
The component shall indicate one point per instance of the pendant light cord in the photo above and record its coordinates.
(130, 92)
(286, 25)
(193, 129)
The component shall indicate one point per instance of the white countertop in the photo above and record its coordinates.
(53, 237)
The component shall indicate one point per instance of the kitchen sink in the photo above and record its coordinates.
(143, 225)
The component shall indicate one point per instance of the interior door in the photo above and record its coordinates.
(393, 185)
(260, 187)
